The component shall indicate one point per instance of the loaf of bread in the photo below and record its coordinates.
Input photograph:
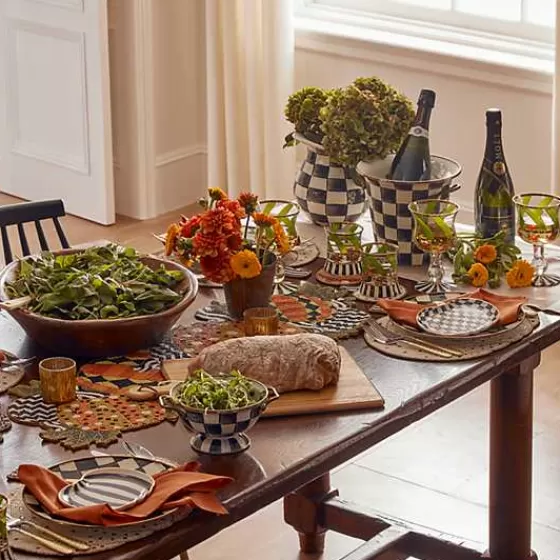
(288, 363)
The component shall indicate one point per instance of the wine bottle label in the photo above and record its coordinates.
(419, 131)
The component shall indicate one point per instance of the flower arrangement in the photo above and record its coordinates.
(367, 120)
(480, 261)
(218, 238)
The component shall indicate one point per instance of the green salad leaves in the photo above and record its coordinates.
(105, 282)
(225, 392)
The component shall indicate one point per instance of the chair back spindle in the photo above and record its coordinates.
(31, 212)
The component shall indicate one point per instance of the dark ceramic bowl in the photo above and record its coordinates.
(102, 337)
(220, 432)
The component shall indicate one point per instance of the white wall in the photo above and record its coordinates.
(457, 127)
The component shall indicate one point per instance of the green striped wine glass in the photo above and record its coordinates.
(434, 233)
(538, 224)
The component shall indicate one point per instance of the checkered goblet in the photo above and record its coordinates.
(434, 232)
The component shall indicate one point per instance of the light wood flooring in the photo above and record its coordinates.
(434, 473)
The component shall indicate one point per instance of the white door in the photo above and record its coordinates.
(55, 121)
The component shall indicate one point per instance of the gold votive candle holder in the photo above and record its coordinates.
(58, 380)
(260, 321)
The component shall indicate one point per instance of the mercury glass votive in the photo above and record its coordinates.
(379, 273)
(260, 321)
(58, 380)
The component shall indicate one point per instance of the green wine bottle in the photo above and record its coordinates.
(493, 204)
(412, 162)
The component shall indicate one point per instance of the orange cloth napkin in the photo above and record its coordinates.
(182, 486)
(406, 311)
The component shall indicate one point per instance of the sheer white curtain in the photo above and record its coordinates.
(250, 68)
(556, 111)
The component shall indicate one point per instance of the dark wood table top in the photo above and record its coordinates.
(286, 452)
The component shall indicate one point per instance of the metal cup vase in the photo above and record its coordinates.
(389, 200)
(327, 191)
(343, 266)
(246, 293)
(379, 273)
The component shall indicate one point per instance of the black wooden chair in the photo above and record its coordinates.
(28, 212)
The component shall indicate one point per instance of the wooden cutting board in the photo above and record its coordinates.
(354, 391)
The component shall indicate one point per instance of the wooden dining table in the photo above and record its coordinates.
(291, 457)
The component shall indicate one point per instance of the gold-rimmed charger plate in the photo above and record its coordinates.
(73, 470)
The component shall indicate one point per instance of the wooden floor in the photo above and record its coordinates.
(434, 473)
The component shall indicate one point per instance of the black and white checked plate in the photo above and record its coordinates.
(462, 317)
(73, 470)
(117, 487)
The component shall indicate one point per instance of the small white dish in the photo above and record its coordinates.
(461, 317)
(119, 488)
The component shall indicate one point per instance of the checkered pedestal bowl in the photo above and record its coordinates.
(389, 200)
(327, 192)
(220, 432)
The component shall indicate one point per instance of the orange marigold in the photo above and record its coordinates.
(520, 275)
(478, 275)
(171, 237)
(281, 239)
(264, 220)
(486, 254)
(245, 264)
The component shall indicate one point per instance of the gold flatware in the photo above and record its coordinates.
(16, 523)
(384, 337)
(51, 545)
(17, 303)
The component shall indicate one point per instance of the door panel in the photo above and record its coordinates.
(56, 104)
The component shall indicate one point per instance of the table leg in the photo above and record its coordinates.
(511, 443)
(184, 555)
(303, 511)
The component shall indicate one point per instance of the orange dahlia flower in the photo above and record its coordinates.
(248, 201)
(478, 275)
(217, 269)
(217, 220)
(520, 275)
(232, 206)
(486, 254)
(189, 226)
(246, 264)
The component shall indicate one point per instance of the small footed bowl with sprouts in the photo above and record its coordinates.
(219, 409)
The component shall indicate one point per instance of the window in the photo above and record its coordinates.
(521, 19)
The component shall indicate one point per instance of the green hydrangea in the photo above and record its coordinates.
(303, 109)
(365, 121)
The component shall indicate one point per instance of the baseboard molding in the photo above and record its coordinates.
(179, 154)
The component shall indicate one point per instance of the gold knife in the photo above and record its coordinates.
(51, 545)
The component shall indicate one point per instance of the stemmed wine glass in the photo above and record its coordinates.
(537, 223)
(434, 233)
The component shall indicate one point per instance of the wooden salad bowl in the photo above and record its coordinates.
(102, 337)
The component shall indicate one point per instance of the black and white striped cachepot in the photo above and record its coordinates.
(327, 192)
(220, 432)
(389, 201)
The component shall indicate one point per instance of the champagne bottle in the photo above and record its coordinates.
(493, 205)
(412, 162)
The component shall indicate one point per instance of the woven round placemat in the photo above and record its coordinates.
(99, 538)
(471, 348)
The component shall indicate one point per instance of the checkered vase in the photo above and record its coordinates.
(327, 192)
(389, 202)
